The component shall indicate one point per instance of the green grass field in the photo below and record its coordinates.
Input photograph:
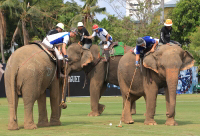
(75, 121)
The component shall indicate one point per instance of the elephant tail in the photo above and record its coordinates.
(14, 91)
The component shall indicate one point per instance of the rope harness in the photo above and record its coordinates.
(32, 57)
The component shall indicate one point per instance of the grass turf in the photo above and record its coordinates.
(75, 121)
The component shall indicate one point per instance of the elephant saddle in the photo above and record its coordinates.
(49, 51)
(115, 49)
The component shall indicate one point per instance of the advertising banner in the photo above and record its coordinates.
(187, 80)
(187, 84)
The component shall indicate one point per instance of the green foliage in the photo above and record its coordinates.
(87, 13)
(194, 47)
(185, 17)
(127, 31)
(121, 30)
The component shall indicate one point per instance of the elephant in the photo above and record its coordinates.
(85, 59)
(29, 72)
(160, 69)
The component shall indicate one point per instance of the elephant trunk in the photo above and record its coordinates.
(64, 92)
(65, 87)
(172, 81)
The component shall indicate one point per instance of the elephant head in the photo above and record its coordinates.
(167, 61)
(78, 58)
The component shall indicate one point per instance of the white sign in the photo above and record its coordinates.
(74, 79)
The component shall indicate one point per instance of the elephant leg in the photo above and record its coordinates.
(13, 123)
(60, 96)
(95, 94)
(145, 103)
(167, 100)
(151, 91)
(169, 121)
(127, 110)
(28, 112)
(101, 107)
(54, 100)
(133, 107)
(43, 119)
(124, 100)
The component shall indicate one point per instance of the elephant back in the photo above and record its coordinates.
(31, 65)
(30, 57)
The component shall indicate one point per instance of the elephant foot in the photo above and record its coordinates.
(13, 126)
(55, 123)
(129, 122)
(133, 112)
(101, 108)
(30, 126)
(171, 122)
(128, 119)
(43, 124)
(150, 122)
(93, 114)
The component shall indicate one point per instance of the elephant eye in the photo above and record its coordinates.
(69, 61)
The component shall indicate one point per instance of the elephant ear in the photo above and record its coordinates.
(86, 57)
(187, 61)
(150, 62)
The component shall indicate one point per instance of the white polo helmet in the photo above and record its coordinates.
(80, 24)
(60, 25)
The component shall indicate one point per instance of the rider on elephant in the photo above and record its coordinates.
(143, 45)
(59, 28)
(105, 37)
(165, 34)
(62, 37)
(87, 43)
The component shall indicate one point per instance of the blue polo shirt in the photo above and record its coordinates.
(149, 42)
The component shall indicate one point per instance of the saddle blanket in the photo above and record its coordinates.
(117, 50)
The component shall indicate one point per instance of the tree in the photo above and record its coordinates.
(121, 30)
(2, 34)
(24, 14)
(194, 46)
(2, 31)
(144, 14)
(68, 12)
(185, 17)
(87, 13)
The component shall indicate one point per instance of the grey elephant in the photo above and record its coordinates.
(161, 69)
(28, 73)
(87, 60)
